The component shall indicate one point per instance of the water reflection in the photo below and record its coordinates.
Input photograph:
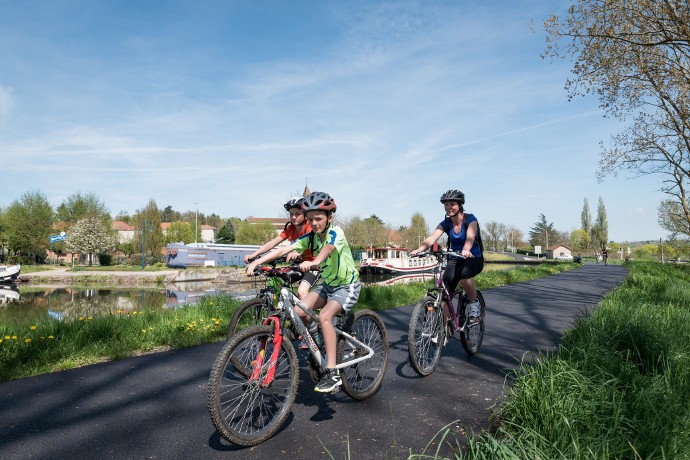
(28, 304)
(387, 280)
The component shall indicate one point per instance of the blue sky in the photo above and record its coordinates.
(235, 104)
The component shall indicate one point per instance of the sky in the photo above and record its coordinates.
(231, 107)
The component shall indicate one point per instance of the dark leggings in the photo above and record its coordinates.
(461, 269)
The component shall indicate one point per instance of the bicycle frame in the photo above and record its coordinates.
(287, 303)
(442, 289)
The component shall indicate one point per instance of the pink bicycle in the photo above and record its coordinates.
(428, 332)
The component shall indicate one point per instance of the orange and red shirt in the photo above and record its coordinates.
(291, 234)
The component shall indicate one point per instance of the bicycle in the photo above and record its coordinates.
(428, 332)
(252, 312)
(253, 382)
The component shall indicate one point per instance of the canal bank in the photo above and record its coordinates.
(61, 276)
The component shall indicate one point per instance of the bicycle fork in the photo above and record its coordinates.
(259, 361)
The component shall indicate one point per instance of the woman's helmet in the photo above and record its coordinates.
(453, 195)
(294, 202)
(318, 201)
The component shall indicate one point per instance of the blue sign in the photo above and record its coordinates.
(60, 237)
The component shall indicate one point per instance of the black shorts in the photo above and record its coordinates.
(461, 269)
(311, 278)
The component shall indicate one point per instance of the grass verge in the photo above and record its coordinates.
(52, 345)
(618, 387)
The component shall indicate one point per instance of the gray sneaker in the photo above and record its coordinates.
(475, 310)
(329, 382)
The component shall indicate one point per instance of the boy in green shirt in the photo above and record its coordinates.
(340, 288)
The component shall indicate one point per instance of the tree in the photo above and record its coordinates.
(600, 229)
(248, 233)
(226, 233)
(586, 219)
(580, 240)
(635, 56)
(542, 234)
(493, 234)
(672, 218)
(416, 232)
(148, 221)
(77, 206)
(90, 236)
(28, 223)
(179, 232)
(3, 237)
(170, 215)
(514, 238)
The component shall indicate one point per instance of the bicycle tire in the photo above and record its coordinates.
(361, 380)
(426, 323)
(473, 334)
(243, 412)
(250, 313)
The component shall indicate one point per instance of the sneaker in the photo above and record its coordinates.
(329, 382)
(475, 310)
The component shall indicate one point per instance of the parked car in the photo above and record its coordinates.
(564, 257)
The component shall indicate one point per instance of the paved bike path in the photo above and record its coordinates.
(154, 406)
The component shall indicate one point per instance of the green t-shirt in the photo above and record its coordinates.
(339, 268)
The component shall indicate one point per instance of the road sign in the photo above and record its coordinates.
(56, 238)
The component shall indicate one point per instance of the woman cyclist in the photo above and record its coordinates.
(463, 236)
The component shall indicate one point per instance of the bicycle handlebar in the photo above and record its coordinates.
(439, 254)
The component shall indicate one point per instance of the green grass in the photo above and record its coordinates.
(52, 345)
(618, 387)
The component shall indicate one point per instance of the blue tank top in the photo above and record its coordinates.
(457, 240)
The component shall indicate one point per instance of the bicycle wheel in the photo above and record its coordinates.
(250, 313)
(473, 334)
(425, 336)
(363, 379)
(242, 409)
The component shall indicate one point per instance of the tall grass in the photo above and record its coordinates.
(619, 386)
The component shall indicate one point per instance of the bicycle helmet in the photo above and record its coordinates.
(294, 202)
(318, 201)
(453, 195)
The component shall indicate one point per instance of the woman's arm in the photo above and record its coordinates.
(469, 240)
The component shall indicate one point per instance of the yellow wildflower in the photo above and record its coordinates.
(90, 318)
(14, 337)
(7, 337)
(33, 328)
(27, 340)
(51, 337)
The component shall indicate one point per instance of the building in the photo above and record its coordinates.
(125, 232)
(559, 251)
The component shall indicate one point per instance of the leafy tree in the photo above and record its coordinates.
(226, 233)
(3, 237)
(148, 221)
(672, 218)
(214, 220)
(124, 217)
(179, 232)
(580, 240)
(600, 229)
(77, 206)
(416, 232)
(170, 215)
(28, 222)
(493, 233)
(542, 234)
(90, 236)
(586, 219)
(635, 56)
(248, 233)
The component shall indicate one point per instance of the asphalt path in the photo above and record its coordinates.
(154, 406)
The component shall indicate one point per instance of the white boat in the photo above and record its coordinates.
(8, 293)
(396, 261)
(9, 273)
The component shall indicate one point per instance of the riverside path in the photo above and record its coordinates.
(154, 406)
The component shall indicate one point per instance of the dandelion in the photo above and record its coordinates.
(7, 337)
(14, 337)
(81, 318)
(90, 318)
(143, 331)
(50, 337)
(33, 328)
(0, 340)
(27, 340)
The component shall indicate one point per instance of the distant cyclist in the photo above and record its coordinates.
(297, 227)
(464, 237)
(605, 255)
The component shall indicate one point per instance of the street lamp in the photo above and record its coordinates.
(143, 242)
